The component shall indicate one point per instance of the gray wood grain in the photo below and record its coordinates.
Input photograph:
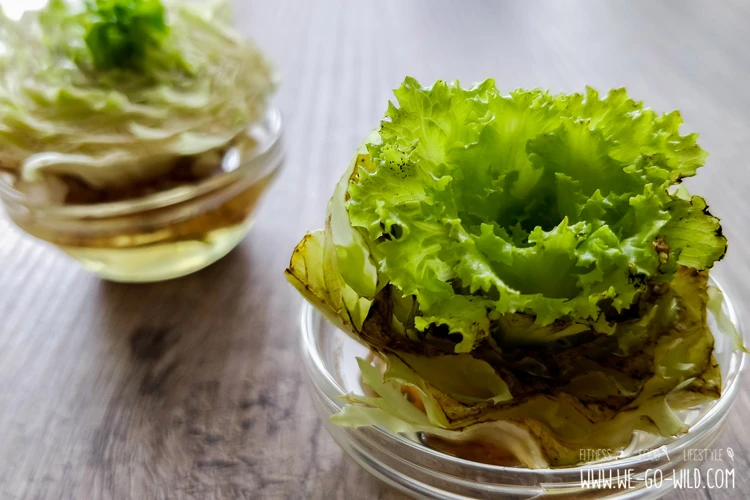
(193, 388)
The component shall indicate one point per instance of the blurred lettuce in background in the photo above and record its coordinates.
(111, 92)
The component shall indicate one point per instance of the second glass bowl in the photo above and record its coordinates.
(164, 235)
(407, 464)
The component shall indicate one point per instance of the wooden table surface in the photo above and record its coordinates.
(194, 388)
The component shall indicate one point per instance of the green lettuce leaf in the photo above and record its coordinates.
(479, 204)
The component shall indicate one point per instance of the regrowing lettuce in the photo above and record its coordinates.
(112, 92)
(125, 34)
(523, 265)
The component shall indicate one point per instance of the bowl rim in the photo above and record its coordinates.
(714, 416)
(262, 161)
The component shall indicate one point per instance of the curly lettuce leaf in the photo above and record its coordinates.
(115, 92)
(692, 234)
(480, 204)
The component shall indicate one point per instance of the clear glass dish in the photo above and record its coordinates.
(408, 464)
(164, 235)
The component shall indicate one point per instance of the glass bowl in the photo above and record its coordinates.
(651, 463)
(164, 235)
